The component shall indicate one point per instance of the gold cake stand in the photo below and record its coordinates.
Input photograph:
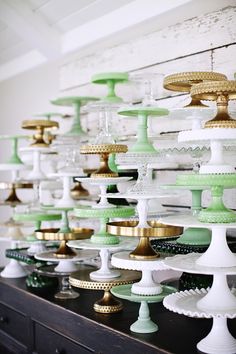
(103, 150)
(221, 92)
(13, 199)
(157, 230)
(108, 303)
(78, 191)
(54, 234)
(183, 82)
(40, 126)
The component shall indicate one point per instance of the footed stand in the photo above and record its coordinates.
(144, 324)
(40, 126)
(66, 201)
(110, 79)
(14, 268)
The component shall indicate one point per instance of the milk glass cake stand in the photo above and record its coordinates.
(193, 236)
(103, 183)
(66, 201)
(143, 144)
(219, 302)
(64, 268)
(77, 102)
(36, 174)
(144, 324)
(111, 79)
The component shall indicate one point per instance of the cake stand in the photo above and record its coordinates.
(104, 214)
(108, 304)
(36, 174)
(221, 92)
(147, 285)
(105, 271)
(39, 125)
(103, 150)
(13, 199)
(15, 160)
(142, 144)
(217, 138)
(216, 212)
(65, 267)
(66, 201)
(103, 184)
(37, 218)
(144, 324)
(183, 82)
(110, 79)
(77, 102)
(193, 236)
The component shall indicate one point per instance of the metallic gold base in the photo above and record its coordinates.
(104, 175)
(215, 123)
(195, 104)
(39, 125)
(108, 304)
(144, 250)
(78, 191)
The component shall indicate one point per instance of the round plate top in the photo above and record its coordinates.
(36, 123)
(139, 196)
(183, 81)
(103, 181)
(36, 217)
(212, 90)
(187, 220)
(227, 180)
(185, 187)
(187, 263)
(64, 174)
(82, 279)
(87, 244)
(53, 207)
(123, 260)
(103, 148)
(124, 292)
(71, 100)
(84, 211)
(54, 234)
(207, 134)
(102, 78)
(143, 110)
(51, 257)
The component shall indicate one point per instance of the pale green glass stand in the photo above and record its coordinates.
(49, 115)
(102, 236)
(193, 236)
(143, 144)
(15, 158)
(77, 102)
(217, 211)
(64, 227)
(144, 324)
(110, 79)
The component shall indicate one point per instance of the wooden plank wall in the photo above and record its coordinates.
(206, 42)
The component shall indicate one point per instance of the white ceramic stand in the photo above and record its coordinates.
(14, 268)
(105, 271)
(36, 247)
(36, 174)
(146, 286)
(103, 183)
(66, 201)
(217, 138)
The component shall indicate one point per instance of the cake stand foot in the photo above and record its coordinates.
(66, 266)
(108, 304)
(14, 270)
(219, 340)
(144, 324)
(146, 286)
(195, 236)
(66, 291)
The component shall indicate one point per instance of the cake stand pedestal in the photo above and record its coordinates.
(66, 201)
(110, 79)
(14, 269)
(36, 174)
(13, 199)
(108, 304)
(39, 125)
(144, 324)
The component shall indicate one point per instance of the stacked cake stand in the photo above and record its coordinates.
(219, 301)
(110, 79)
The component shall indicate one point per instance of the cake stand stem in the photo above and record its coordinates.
(66, 292)
(218, 253)
(111, 88)
(15, 159)
(146, 286)
(108, 304)
(142, 144)
(36, 173)
(219, 340)
(66, 200)
(103, 203)
(142, 209)
(105, 272)
(144, 324)
(65, 222)
(76, 128)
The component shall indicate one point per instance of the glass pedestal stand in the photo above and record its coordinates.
(64, 268)
(108, 303)
(105, 271)
(110, 79)
(217, 137)
(219, 261)
(144, 324)
(39, 125)
(102, 236)
(142, 145)
(103, 184)
(193, 236)
(77, 102)
(104, 150)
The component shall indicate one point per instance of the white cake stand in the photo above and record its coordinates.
(36, 174)
(219, 340)
(218, 253)
(14, 269)
(103, 183)
(217, 137)
(68, 264)
(66, 201)
(196, 114)
(105, 271)
(146, 286)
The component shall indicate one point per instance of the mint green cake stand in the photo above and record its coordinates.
(49, 115)
(77, 102)
(64, 228)
(104, 214)
(193, 236)
(144, 324)
(216, 212)
(110, 79)
(143, 144)
(15, 158)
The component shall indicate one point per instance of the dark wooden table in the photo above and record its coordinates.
(44, 325)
